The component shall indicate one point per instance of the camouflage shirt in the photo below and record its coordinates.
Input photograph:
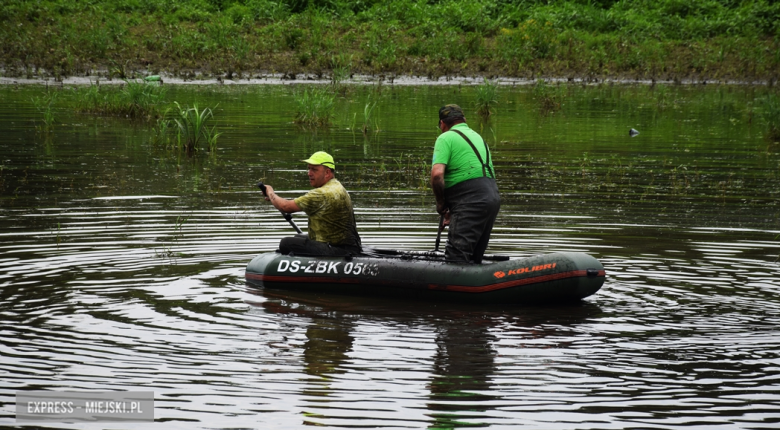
(331, 218)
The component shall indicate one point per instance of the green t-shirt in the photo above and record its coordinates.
(462, 163)
(331, 218)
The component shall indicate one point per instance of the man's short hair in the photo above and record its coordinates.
(451, 114)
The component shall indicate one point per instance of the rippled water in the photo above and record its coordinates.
(121, 268)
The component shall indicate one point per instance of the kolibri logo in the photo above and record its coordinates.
(500, 274)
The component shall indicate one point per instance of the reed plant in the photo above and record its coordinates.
(45, 105)
(167, 250)
(163, 134)
(369, 120)
(142, 99)
(134, 99)
(314, 107)
(192, 128)
(549, 97)
(770, 116)
(662, 96)
(487, 97)
(341, 66)
(186, 129)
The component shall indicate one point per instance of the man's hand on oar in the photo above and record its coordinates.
(268, 192)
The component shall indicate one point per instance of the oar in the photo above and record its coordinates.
(286, 215)
(438, 236)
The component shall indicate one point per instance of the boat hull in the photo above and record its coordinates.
(555, 277)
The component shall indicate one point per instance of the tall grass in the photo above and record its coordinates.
(487, 97)
(187, 129)
(663, 39)
(770, 115)
(341, 66)
(45, 106)
(134, 99)
(193, 128)
(549, 97)
(663, 99)
(314, 107)
(369, 119)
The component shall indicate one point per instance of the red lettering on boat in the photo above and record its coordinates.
(521, 270)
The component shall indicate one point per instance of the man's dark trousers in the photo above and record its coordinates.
(473, 205)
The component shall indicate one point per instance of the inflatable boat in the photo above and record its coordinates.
(554, 277)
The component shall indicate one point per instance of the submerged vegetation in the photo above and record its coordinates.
(770, 114)
(370, 120)
(634, 39)
(314, 107)
(688, 134)
(44, 104)
(487, 97)
(549, 97)
(408, 171)
(187, 129)
(134, 99)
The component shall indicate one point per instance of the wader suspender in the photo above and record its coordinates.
(479, 157)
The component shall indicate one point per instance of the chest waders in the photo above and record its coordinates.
(474, 205)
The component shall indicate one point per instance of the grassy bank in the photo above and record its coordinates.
(639, 39)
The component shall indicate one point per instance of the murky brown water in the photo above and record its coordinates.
(121, 266)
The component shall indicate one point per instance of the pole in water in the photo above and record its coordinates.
(438, 236)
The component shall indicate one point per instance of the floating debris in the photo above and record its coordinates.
(632, 132)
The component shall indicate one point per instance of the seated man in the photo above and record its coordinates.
(332, 229)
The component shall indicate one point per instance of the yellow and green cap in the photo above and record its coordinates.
(321, 158)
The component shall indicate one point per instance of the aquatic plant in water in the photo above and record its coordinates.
(192, 128)
(45, 105)
(549, 97)
(487, 97)
(341, 65)
(178, 233)
(186, 129)
(315, 107)
(404, 171)
(770, 115)
(162, 133)
(368, 117)
(142, 98)
(660, 93)
(135, 99)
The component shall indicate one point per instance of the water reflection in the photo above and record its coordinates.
(463, 367)
(462, 352)
(329, 341)
(121, 267)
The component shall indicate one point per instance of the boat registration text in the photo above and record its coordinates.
(328, 267)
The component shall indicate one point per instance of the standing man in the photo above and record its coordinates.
(463, 181)
(332, 229)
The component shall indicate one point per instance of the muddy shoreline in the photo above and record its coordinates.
(400, 80)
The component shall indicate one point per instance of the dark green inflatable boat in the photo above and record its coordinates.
(555, 277)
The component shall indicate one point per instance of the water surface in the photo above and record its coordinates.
(121, 265)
